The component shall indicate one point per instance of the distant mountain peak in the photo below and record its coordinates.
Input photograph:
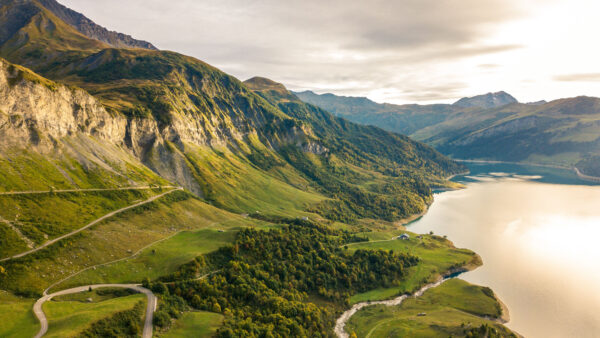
(489, 100)
(87, 27)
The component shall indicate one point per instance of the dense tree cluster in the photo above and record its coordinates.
(353, 201)
(122, 324)
(267, 277)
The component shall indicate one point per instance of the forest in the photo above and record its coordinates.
(268, 283)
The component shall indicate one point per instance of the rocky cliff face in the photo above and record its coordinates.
(39, 112)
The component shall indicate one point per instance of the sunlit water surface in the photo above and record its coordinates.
(539, 236)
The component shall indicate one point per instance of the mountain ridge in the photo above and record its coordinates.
(561, 132)
(182, 118)
(76, 20)
(486, 101)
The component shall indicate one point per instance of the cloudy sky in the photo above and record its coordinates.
(399, 51)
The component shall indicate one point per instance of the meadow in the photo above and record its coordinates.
(437, 257)
(451, 309)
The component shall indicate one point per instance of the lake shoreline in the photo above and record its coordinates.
(343, 319)
(415, 217)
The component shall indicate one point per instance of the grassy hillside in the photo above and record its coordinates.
(69, 318)
(274, 190)
(17, 317)
(194, 125)
(456, 308)
(437, 256)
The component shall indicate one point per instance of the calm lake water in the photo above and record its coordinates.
(538, 232)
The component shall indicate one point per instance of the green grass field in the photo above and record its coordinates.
(10, 242)
(448, 309)
(234, 184)
(437, 255)
(16, 316)
(194, 324)
(116, 238)
(68, 318)
(45, 216)
(158, 260)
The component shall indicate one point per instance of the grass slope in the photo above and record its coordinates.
(194, 324)
(437, 256)
(69, 318)
(111, 240)
(41, 217)
(160, 259)
(449, 309)
(17, 317)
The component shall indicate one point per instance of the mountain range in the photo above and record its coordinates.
(493, 126)
(143, 114)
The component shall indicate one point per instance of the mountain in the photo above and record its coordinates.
(486, 101)
(488, 127)
(17, 12)
(196, 126)
(404, 119)
(234, 203)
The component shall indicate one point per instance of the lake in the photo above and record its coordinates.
(538, 232)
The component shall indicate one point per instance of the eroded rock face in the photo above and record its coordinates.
(39, 113)
(43, 116)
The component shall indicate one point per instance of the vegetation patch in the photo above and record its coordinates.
(72, 318)
(195, 324)
(17, 317)
(44, 216)
(454, 309)
(265, 278)
(437, 257)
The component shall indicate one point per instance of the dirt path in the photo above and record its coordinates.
(150, 308)
(340, 324)
(151, 199)
(84, 190)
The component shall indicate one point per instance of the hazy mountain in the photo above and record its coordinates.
(561, 132)
(489, 100)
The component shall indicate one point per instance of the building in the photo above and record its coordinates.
(404, 237)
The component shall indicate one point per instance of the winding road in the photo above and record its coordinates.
(96, 221)
(150, 308)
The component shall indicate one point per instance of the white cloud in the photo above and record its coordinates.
(395, 51)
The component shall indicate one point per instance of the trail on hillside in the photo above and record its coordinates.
(98, 220)
(29, 192)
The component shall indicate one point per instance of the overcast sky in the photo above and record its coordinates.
(400, 51)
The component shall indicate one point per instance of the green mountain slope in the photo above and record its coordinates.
(199, 127)
(488, 127)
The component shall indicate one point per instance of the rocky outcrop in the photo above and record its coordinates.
(39, 112)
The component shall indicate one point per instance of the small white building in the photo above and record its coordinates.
(404, 237)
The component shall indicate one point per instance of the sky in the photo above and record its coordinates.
(396, 51)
